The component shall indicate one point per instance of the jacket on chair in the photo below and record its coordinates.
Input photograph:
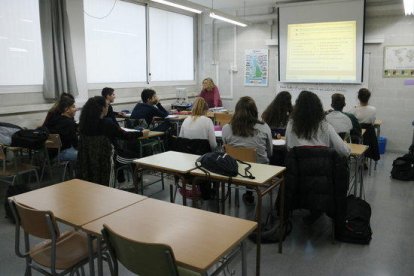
(370, 139)
(317, 178)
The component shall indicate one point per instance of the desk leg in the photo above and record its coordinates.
(243, 258)
(357, 169)
(282, 213)
(259, 229)
(361, 177)
(99, 251)
(91, 255)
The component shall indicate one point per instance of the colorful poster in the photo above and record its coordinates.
(256, 67)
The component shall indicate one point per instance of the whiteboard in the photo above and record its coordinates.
(324, 90)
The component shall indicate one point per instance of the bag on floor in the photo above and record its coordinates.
(357, 228)
(403, 168)
(13, 190)
(30, 138)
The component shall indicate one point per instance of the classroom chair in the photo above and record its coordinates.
(149, 259)
(221, 118)
(60, 253)
(11, 169)
(53, 142)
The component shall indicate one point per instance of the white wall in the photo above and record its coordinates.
(394, 101)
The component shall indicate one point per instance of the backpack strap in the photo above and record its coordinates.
(247, 173)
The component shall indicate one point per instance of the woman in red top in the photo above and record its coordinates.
(210, 93)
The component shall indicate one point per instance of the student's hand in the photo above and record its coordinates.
(122, 114)
(145, 132)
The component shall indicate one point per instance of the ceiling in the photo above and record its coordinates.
(374, 7)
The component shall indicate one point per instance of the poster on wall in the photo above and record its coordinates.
(256, 67)
(399, 61)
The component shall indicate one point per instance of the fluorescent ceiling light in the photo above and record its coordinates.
(226, 19)
(409, 7)
(179, 6)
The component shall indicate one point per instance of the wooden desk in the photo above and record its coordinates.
(178, 121)
(77, 202)
(170, 162)
(357, 153)
(265, 178)
(198, 238)
(152, 134)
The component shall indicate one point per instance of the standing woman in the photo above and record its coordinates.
(96, 135)
(210, 93)
(277, 113)
(246, 130)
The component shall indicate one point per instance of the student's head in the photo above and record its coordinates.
(109, 94)
(338, 101)
(307, 115)
(66, 107)
(277, 113)
(149, 96)
(200, 107)
(94, 109)
(244, 117)
(363, 96)
(66, 95)
(208, 84)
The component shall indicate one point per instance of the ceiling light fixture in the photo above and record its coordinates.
(227, 18)
(184, 5)
(409, 7)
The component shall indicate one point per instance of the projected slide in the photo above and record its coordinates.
(323, 51)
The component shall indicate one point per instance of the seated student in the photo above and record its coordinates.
(246, 130)
(198, 126)
(276, 115)
(96, 136)
(53, 110)
(109, 94)
(149, 108)
(307, 127)
(366, 114)
(340, 121)
(61, 121)
(210, 93)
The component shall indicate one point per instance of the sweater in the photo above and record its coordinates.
(212, 97)
(148, 112)
(262, 141)
(199, 127)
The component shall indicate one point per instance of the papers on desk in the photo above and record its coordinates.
(218, 133)
(127, 115)
(129, 129)
(278, 142)
(217, 109)
(171, 116)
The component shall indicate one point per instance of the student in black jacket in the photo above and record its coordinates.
(62, 122)
(109, 94)
(150, 108)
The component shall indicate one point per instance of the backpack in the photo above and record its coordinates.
(6, 132)
(30, 138)
(403, 167)
(222, 163)
(357, 228)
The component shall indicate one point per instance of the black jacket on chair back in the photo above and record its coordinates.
(370, 139)
(317, 178)
(193, 146)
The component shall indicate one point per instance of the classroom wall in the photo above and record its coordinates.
(221, 49)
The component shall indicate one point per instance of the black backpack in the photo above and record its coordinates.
(222, 163)
(403, 167)
(357, 228)
(30, 138)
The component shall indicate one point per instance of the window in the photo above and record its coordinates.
(172, 46)
(115, 41)
(21, 61)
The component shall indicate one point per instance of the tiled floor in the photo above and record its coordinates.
(308, 250)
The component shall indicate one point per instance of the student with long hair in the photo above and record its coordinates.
(96, 135)
(308, 127)
(61, 121)
(53, 110)
(276, 115)
(198, 125)
(246, 130)
(210, 93)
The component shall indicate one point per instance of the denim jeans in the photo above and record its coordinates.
(69, 154)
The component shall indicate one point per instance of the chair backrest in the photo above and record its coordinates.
(241, 153)
(34, 222)
(2, 153)
(53, 141)
(193, 146)
(141, 258)
(222, 118)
